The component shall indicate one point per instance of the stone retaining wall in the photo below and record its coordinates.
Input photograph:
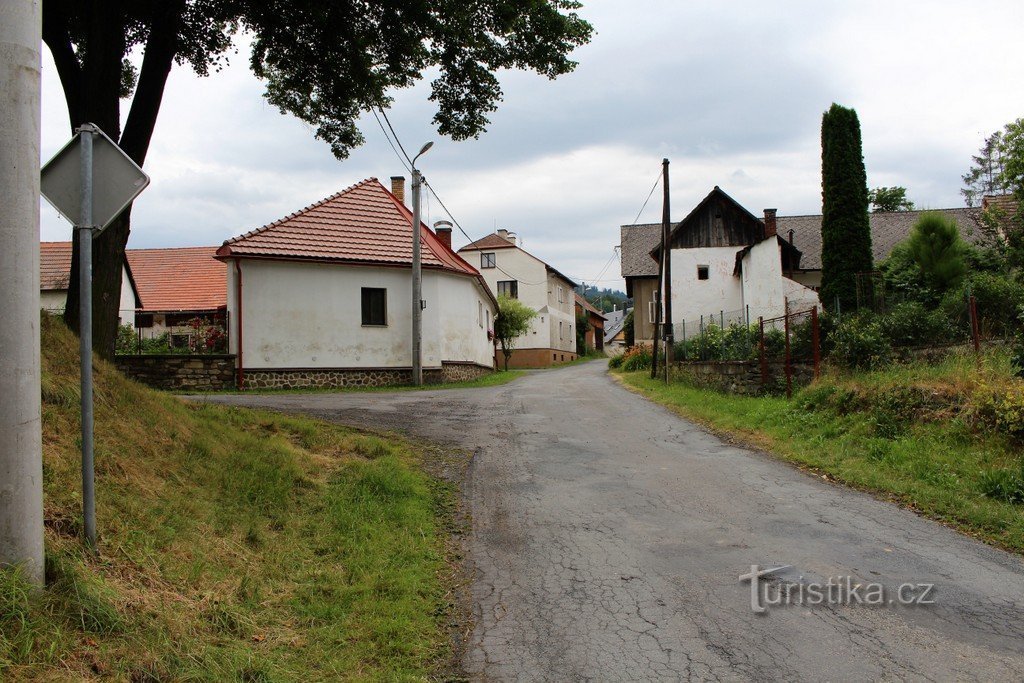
(743, 377)
(177, 372)
(304, 378)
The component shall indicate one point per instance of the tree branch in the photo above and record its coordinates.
(57, 38)
(161, 49)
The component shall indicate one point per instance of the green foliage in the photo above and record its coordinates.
(734, 342)
(1012, 148)
(1000, 408)
(890, 199)
(936, 247)
(912, 324)
(858, 342)
(985, 174)
(845, 232)
(582, 325)
(513, 321)
(637, 358)
(1004, 485)
(615, 362)
(606, 299)
(628, 329)
(998, 299)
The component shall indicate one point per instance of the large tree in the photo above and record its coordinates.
(325, 62)
(985, 176)
(890, 199)
(845, 231)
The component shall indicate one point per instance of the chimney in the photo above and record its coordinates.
(444, 233)
(398, 187)
(507, 236)
(770, 226)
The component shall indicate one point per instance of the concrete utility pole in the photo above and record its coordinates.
(417, 273)
(21, 461)
(666, 231)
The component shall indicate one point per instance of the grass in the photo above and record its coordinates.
(234, 545)
(492, 379)
(919, 435)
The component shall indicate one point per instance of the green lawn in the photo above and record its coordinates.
(914, 434)
(234, 545)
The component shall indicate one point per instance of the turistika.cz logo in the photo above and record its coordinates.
(766, 591)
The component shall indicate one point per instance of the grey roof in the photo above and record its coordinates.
(887, 230)
(613, 322)
(637, 242)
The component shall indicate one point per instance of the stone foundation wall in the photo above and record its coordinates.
(177, 372)
(308, 378)
(743, 377)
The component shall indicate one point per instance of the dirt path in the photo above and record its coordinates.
(609, 536)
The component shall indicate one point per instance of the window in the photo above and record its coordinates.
(509, 288)
(487, 260)
(560, 330)
(702, 272)
(561, 295)
(487, 314)
(375, 309)
(480, 313)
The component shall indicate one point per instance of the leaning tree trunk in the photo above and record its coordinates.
(107, 269)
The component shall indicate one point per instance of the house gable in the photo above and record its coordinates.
(718, 221)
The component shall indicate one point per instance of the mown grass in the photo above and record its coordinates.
(914, 434)
(234, 545)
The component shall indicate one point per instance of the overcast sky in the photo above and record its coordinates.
(731, 92)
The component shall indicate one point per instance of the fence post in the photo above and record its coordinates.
(815, 342)
(722, 318)
(701, 344)
(972, 308)
(789, 367)
(764, 360)
(684, 340)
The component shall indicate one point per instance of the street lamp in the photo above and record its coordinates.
(417, 274)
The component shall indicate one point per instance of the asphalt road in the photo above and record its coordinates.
(608, 537)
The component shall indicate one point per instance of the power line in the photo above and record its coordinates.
(649, 195)
(385, 115)
(388, 138)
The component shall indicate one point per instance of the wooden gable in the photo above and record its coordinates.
(718, 221)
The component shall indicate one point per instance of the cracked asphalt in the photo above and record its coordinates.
(608, 535)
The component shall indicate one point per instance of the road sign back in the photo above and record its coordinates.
(116, 180)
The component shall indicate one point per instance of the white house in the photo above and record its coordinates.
(727, 264)
(323, 297)
(509, 269)
(55, 270)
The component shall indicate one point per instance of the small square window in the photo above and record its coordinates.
(702, 272)
(375, 306)
(487, 260)
(509, 288)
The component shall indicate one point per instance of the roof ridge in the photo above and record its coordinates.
(312, 206)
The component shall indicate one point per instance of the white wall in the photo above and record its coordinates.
(692, 297)
(309, 315)
(800, 297)
(54, 300)
(538, 289)
(762, 280)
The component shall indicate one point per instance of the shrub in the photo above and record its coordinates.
(615, 362)
(636, 358)
(938, 250)
(911, 324)
(998, 299)
(858, 342)
(1001, 409)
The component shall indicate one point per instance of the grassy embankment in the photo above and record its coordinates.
(235, 545)
(945, 440)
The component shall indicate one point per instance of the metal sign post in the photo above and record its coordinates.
(90, 183)
(84, 231)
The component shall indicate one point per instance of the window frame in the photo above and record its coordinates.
(488, 259)
(514, 293)
(367, 313)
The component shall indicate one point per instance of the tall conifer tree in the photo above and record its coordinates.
(845, 231)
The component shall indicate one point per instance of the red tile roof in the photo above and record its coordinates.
(179, 279)
(54, 265)
(364, 223)
(492, 241)
(587, 306)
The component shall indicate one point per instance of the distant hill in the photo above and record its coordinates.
(607, 299)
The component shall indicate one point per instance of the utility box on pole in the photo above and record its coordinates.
(21, 459)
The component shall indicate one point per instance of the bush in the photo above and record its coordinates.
(911, 324)
(858, 342)
(1000, 409)
(636, 358)
(998, 299)
(615, 362)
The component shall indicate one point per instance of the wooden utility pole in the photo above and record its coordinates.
(666, 256)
